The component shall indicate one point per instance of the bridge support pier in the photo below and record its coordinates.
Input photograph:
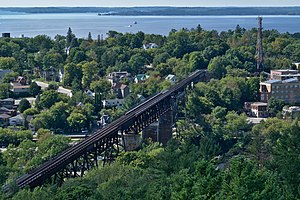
(165, 127)
(160, 131)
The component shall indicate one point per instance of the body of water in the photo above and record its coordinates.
(31, 25)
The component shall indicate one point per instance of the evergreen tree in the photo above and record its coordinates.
(69, 37)
(90, 39)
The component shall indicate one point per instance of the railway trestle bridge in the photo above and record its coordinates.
(107, 143)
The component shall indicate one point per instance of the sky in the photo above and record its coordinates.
(128, 3)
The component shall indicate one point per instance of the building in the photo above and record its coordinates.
(171, 78)
(6, 35)
(140, 78)
(291, 112)
(296, 64)
(4, 120)
(4, 110)
(116, 77)
(52, 76)
(7, 103)
(257, 109)
(104, 120)
(3, 72)
(17, 120)
(120, 90)
(20, 86)
(287, 90)
(150, 46)
(284, 74)
(111, 103)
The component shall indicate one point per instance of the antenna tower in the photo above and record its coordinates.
(259, 47)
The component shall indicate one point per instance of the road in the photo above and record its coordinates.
(60, 89)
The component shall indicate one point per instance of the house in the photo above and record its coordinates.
(3, 72)
(284, 74)
(20, 89)
(89, 93)
(140, 78)
(296, 64)
(80, 104)
(287, 90)
(116, 77)
(17, 120)
(120, 90)
(110, 103)
(257, 109)
(51, 76)
(291, 112)
(4, 120)
(104, 120)
(150, 46)
(20, 86)
(4, 110)
(30, 125)
(7, 103)
(171, 78)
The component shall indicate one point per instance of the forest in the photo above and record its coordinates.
(216, 153)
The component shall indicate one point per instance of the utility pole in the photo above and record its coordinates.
(259, 47)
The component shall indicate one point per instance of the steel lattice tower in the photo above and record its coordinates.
(259, 47)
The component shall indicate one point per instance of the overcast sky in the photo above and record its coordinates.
(100, 3)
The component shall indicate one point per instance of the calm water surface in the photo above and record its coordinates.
(53, 24)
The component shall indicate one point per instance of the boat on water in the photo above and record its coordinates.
(135, 22)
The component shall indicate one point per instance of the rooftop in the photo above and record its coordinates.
(272, 81)
(290, 80)
(259, 104)
(285, 70)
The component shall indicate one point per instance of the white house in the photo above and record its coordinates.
(150, 46)
(171, 78)
(109, 103)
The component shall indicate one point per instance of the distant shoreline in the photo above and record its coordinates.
(158, 11)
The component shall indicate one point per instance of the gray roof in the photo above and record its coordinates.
(4, 116)
(272, 81)
(8, 99)
(290, 80)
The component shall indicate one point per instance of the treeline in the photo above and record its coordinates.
(158, 10)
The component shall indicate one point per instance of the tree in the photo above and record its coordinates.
(24, 105)
(217, 67)
(59, 113)
(76, 120)
(72, 72)
(9, 63)
(5, 90)
(52, 86)
(48, 98)
(69, 37)
(286, 156)
(275, 106)
(89, 71)
(131, 100)
(136, 63)
(35, 89)
(90, 39)
(101, 86)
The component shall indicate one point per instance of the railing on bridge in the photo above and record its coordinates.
(106, 144)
